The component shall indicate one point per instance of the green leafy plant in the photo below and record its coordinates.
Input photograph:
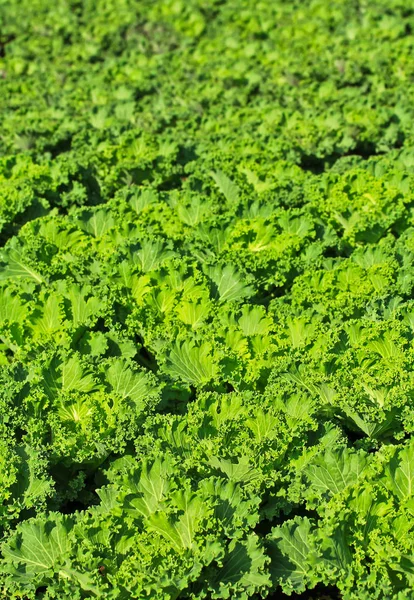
(206, 299)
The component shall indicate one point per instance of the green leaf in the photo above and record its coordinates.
(55, 233)
(230, 507)
(289, 549)
(40, 550)
(193, 313)
(264, 425)
(300, 226)
(152, 255)
(31, 481)
(192, 364)
(230, 286)
(335, 470)
(77, 411)
(180, 532)
(66, 377)
(142, 198)
(193, 212)
(108, 496)
(375, 428)
(400, 472)
(164, 300)
(160, 523)
(365, 504)
(335, 549)
(74, 377)
(50, 319)
(11, 307)
(194, 509)
(83, 308)
(98, 222)
(150, 489)
(254, 321)
(226, 186)
(239, 471)
(127, 383)
(244, 570)
(299, 331)
(14, 266)
(40, 545)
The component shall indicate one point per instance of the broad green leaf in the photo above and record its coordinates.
(14, 266)
(85, 580)
(194, 509)
(212, 236)
(385, 347)
(192, 213)
(142, 198)
(336, 549)
(335, 470)
(298, 408)
(140, 286)
(40, 549)
(400, 473)
(365, 504)
(226, 186)
(230, 286)
(164, 300)
(193, 313)
(259, 185)
(152, 255)
(160, 523)
(50, 318)
(108, 496)
(230, 507)
(149, 488)
(77, 411)
(192, 364)
(229, 407)
(66, 377)
(127, 383)
(300, 226)
(374, 428)
(290, 550)
(74, 377)
(31, 482)
(180, 532)
(299, 331)
(94, 343)
(97, 223)
(41, 545)
(54, 233)
(239, 471)
(264, 425)
(264, 234)
(244, 570)
(299, 376)
(11, 307)
(254, 321)
(83, 308)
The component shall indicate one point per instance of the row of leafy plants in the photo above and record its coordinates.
(206, 313)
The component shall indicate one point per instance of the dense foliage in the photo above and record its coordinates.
(206, 298)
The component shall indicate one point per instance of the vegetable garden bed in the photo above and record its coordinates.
(206, 299)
